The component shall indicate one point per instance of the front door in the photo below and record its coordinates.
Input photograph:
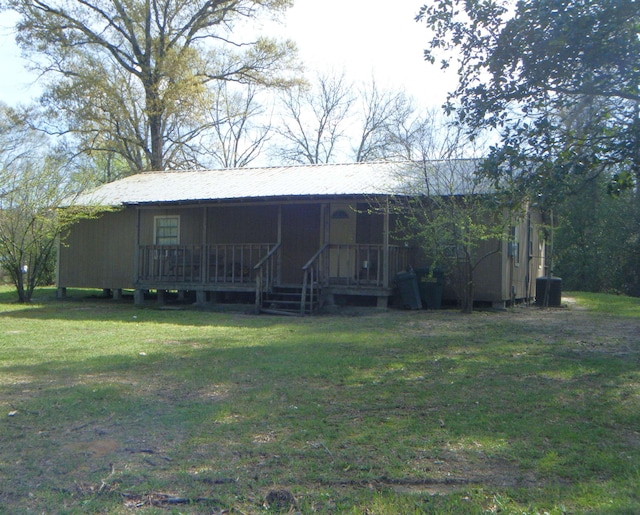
(342, 234)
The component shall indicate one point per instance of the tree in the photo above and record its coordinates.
(33, 182)
(381, 113)
(558, 80)
(533, 70)
(132, 75)
(594, 241)
(315, 120)
(241, 127)
(459, 224)
(456, 219)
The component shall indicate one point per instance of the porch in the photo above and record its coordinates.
(334, 269)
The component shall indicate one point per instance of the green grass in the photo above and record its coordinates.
(108, 408)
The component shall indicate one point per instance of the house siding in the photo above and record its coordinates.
(190, 224)
(99, 253)
(242, 224)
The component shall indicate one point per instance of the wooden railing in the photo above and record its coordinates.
(266, 271)
(352, 265)
(170, 263)
(310, 274)
(357, 264)
(231, 263)
(235, 262)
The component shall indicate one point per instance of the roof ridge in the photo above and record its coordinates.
(276, 167)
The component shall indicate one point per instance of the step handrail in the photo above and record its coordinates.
(306, 270)
(267, 256)
(260, 282)
(315, 256)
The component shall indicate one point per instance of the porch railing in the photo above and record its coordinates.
(235, 263)
(170, 263)
(201, 264)
(357, 264)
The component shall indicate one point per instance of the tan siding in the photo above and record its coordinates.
(488, 280)
(99, 253)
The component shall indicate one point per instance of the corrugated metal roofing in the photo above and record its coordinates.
(376, 178)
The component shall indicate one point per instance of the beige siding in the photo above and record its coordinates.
(99, 253)
(488, 277)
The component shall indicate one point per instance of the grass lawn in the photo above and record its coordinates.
(109, 408)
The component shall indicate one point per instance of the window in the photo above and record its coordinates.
(514, 245)
(166, 230)
(340, 214)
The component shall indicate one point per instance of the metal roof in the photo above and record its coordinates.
(327, 180)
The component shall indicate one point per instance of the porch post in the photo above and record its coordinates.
(385, 248)
(201, 297)
(138, 294)
(204, 252)
(136, 249)
(279, 253)
(138, 297)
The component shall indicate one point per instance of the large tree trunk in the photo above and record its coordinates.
(157, 142)
(467, 296)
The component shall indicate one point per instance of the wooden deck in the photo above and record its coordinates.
(335, 269)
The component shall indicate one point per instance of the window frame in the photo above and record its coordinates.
(157, 220)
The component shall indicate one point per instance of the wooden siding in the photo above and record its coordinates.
(242, 224)
(191, 220)
(99, 253)
(369, 226)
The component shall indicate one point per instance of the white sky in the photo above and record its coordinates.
(361, 37)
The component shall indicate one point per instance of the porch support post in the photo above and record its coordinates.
(138, 296)
(279, 253)
(136, 250)
(385, 248)
(382, 302)
(201, 297)
(204, 252)
(116, 294)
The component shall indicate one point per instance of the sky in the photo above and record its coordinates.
(364, 38)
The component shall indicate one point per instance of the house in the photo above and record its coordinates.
(286, 237)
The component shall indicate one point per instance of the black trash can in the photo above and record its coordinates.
(408, 290)
(430, 288)
(552, 286)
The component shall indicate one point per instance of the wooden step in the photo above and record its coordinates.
(285, 300)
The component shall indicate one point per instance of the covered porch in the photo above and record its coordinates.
(334, 269)
(293, 254)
